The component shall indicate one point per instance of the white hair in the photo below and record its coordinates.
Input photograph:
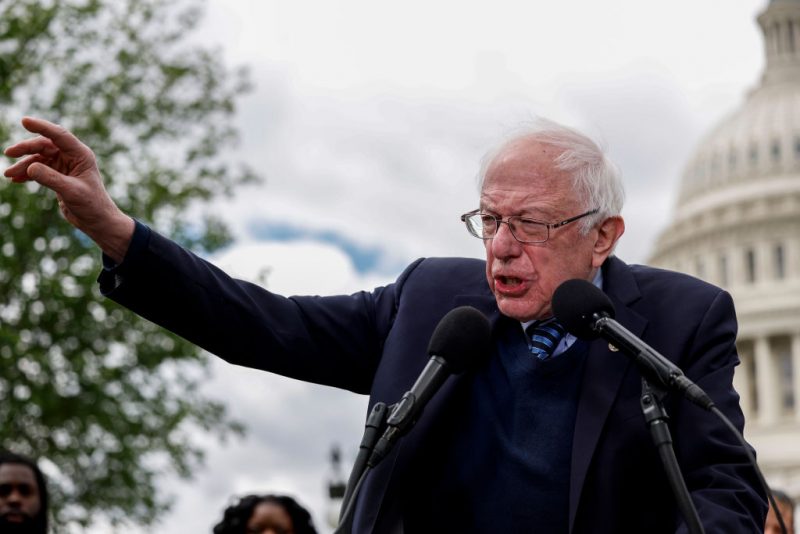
(595, 178)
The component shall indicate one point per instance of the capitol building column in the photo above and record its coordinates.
(767, 383)
(793, 258)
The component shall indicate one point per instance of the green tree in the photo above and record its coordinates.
(108, 400)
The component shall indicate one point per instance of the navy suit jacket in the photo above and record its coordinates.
(376, 343)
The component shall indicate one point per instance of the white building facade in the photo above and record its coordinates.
(737, 225)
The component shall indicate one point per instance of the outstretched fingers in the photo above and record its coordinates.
(19, 171)
(54, 159)
(52, 142)
(38, 150)
(62, 138)
(37, 145)
(36, 168)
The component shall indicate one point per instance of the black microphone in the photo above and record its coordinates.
(461, 338)
(586, 312)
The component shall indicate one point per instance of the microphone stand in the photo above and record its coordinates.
(656, 417)
(373, 428)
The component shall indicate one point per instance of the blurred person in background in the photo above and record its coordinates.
(265, 514)
(23, 495)
(786, 508)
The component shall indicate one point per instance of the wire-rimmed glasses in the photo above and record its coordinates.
(485, 226)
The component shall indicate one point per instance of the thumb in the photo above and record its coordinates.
(46, 176)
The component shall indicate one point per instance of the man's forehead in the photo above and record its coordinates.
(526, 161)
(12, 472)
(533, 192)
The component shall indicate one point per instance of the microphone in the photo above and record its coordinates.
(461, 338)
(586, 312)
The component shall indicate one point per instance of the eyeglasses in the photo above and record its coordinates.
(485, 226)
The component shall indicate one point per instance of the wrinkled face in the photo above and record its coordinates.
(269, 518)
(19, 494)
(522, 181)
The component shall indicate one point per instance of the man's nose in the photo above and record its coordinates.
(14, 497)
(504, 244)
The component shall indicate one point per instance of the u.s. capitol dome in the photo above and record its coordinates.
(736, 224)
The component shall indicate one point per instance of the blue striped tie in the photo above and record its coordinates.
(544, 337)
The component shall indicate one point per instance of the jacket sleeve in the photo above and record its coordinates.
(335, 341)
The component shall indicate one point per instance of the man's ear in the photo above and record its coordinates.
(608, 232)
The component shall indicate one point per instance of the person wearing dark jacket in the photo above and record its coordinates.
(545, 433)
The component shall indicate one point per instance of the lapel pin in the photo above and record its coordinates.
(612, 348)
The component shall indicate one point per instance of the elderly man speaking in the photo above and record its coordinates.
(545, 432)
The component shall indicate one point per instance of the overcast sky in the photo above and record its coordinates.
(368, 121)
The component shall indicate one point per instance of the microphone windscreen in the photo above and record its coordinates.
(575, 302)
(462, 337)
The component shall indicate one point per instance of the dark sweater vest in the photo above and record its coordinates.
(502, 462)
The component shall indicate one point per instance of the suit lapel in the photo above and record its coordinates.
(602, 378)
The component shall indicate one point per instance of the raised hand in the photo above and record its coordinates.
(59, 161)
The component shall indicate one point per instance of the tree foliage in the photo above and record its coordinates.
(106, 399)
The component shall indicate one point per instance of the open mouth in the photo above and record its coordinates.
(509, 284)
